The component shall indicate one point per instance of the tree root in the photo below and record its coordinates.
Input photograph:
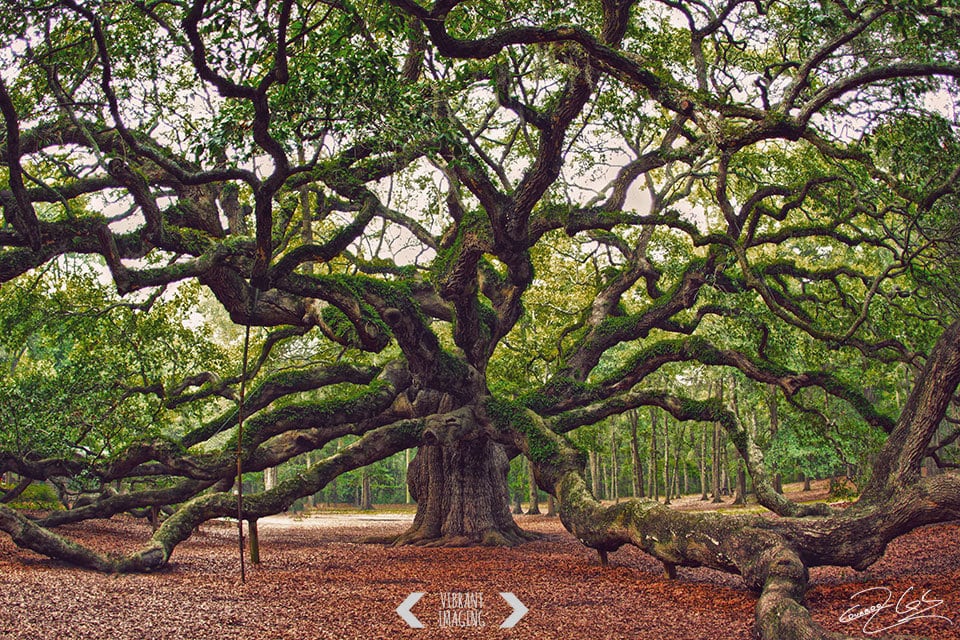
(417, 536)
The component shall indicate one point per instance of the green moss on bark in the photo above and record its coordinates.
(507, 415)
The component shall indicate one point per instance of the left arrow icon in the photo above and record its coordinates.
(404, 609)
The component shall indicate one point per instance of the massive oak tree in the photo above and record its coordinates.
(511, 219)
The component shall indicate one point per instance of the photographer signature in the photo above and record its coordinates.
(907, 608)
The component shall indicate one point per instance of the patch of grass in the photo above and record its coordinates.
(36, 497)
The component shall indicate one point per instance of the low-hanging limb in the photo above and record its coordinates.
(120, 502)
(684, 409)
(275, 436)
(771, 554)
(375, 445)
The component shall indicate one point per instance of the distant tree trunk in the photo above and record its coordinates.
(534, 509)
(716, 470)
(703, 465)
(595, 481)
(774, 428)
(366, 497)
(269, 478)
(677, 455)
(551, 506)
(740, 492)
(654, 491)
(740, 495)
(717, 462)
(517, 505)
(334, 494)
(686, 479)
(667, 489)
(725, 471)
(406, 466)
(634, 419)
(806, 482)
(605, 476)
(310, 499)
(614, 465)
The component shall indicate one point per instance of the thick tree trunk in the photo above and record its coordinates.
(462, 497)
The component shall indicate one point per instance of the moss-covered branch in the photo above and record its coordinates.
(375, 445)
(564, 394)
(114, 503)
(277, 386)
(772, 555)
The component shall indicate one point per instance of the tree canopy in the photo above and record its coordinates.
(475, 227)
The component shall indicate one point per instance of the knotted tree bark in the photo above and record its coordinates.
(459, 480)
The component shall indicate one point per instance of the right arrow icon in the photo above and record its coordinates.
(518, 610)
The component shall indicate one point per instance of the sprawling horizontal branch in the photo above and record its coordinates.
(577, 404)
(376, 445)
(277, 386)
(113, 503)
(772, 555)
(607, 330)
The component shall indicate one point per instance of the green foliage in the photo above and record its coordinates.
(36, 497)
(73, 356)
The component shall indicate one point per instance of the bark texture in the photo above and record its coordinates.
(459, 481)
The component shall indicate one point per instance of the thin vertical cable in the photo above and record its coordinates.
(243, 391)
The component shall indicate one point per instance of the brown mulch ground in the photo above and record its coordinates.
(316, 582)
